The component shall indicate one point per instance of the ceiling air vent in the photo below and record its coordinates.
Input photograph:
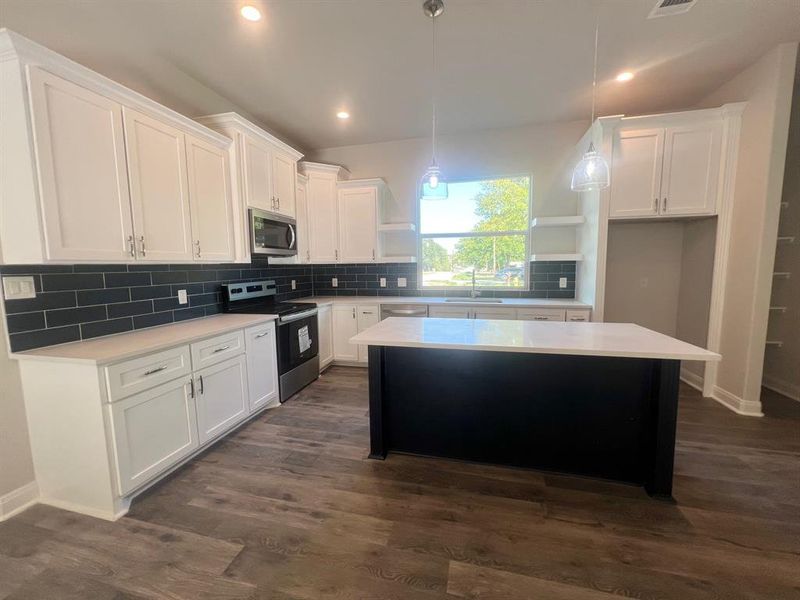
(667, 8)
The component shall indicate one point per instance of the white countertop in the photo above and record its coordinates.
(540, 337)
(510, 302)
(122, 346)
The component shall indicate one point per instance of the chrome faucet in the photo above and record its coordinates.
(473, 293)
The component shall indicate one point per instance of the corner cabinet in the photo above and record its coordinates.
(667, 171)
(99, 173)
(322, 212)
(357, 216)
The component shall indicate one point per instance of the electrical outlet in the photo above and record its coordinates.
(562, 282)
(383, 281)
(334, 282)
(182, 298)
(19, 288)
(294, 284)
(401, 282)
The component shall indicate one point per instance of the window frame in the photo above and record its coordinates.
(527, 233)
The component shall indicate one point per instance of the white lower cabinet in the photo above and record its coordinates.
(367, 317)
(262, 366)
(153, 430)
(221, 396)
(579, 315)
(541, 314)
(345, 326)
(325, 324)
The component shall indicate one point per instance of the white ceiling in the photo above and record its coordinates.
(502, 63)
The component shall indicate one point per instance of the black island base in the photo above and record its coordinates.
(611, 418)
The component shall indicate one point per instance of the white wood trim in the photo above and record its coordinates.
(784, 388)
(120, 510)
(236, 121)
(354, 183)
(692, 379)
(31, 53)
(18, 500)
(339, 172)
(735, 403)
(732, 125)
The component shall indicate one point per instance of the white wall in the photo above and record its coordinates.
(781, 371)
(766, 87)
(543, 151)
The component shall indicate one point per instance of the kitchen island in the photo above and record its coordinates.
(592, 399)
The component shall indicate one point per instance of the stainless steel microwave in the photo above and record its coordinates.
(271, 234)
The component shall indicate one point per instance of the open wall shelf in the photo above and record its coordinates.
(398, 259)
(388, 227)
(555, 257)
(569, 221)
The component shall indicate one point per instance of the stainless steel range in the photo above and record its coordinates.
(297, 331)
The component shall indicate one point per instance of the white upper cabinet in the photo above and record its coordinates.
(210, 198)
(301, 202)
(80, 151)
(668, 171)
(358, 224)
(323, 233)
(636, 172)
(284, 170)
(256, 173)
(691, 169)
(159, 195)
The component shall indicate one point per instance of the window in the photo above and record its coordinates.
(482, 225)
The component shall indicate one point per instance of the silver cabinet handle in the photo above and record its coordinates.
(373, 254)
(202, 387)
(664, 207)
(540, 318)
(197, 243)
(144, 250)
(131, 246)
(279, 202)
(158, 370)
(308, 254)
(354, 313)
(336, 254)
(272, 202)
(577, 319)
(655, 205)
(367, 312)
(191, 387)
(260, 335)
(222, 349)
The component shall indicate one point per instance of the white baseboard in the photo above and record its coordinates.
(784, 388)
(692, 379)
(87, 510)
(18, 500)
(737, 404)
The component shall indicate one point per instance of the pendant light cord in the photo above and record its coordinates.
(433, 89)
(594, 71)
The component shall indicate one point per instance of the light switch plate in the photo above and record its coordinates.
(383, 281)
(19, 288)
(182, 299)
(334, 282)
(562, 282)
(294, 284)
(401, 282)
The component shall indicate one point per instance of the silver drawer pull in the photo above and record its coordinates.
(577, 318)
(221, 349)
(158, 370)
(540, 318)
(260, 335)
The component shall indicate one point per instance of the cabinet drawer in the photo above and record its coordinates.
(216, 349)
(136, 375)
(579, 315)
(541, 314)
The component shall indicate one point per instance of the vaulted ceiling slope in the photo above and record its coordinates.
(502, 63)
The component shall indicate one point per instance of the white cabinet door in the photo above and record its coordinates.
(541, 314)
(262, 366)
(221, 396)
(636, 173)
(323, 230)
(691, 169)
(508, 314)
(450, 312)
(579, 315)
(358, 224)
(283, 183)
(159, 196)
(83, 177)
(345, 326)
(367, 316)
(256, 161)
(325, 324)
(210, 201)
(153, 430)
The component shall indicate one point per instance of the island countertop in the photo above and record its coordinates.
(624, 340)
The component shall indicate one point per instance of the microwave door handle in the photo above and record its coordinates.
(294, 237)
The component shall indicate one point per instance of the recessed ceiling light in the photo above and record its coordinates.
(251, 13)
(343, 114)
(624, 76)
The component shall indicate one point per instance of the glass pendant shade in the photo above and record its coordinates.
(433, 186)
(591, 173)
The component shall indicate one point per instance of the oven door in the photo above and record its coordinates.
(298, 339)
(271, 234)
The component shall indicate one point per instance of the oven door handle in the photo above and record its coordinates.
(297, 316)
(293, 238)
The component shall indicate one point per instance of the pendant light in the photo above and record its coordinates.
(433, 184)
(591, 173)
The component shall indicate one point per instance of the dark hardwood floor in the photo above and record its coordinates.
(288, 508)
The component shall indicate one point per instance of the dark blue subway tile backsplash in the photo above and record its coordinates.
(75, 302)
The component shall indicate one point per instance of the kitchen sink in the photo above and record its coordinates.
(476, 300)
